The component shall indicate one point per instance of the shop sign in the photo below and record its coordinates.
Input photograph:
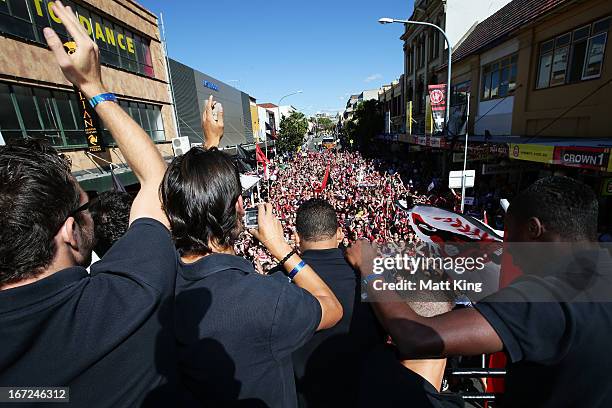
(473, 155)
(491, 168)
(607, 187)
(532, 152)
(594, 158)
(211, 85)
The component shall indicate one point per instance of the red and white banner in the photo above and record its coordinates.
(438, 96)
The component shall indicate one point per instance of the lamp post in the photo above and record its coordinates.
(281, 99)
(387, 20)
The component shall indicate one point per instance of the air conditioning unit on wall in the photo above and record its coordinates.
(181, 145)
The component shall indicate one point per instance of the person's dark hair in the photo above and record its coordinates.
(564, 205)
(199, 195)
(111, 215)
(316, 220)
(37, 193)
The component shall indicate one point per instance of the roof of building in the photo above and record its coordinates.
(267, 105)
(509, 18)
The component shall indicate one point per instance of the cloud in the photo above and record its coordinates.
(373, 77)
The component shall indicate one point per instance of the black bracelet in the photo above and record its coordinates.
(286, 258)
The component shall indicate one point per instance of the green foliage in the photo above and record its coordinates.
(291, 134)
(367, 123)
(325, 124)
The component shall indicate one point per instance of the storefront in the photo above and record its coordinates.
(36, 101)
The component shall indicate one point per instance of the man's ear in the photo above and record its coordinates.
(339, 235)
(68, 233)
(535, 228)
(240, 207)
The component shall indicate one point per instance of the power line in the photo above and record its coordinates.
(572, 107)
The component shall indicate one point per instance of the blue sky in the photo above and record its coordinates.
(329, 49)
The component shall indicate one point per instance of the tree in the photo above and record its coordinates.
(367, 123)
(291, 134)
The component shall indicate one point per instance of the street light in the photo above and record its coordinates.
(387, 20)
(281, 99)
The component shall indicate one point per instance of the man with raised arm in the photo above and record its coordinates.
(107, 336)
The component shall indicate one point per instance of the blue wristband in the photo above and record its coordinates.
(102, 98)
(296, 269)
(371, 277)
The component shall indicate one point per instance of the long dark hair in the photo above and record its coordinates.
(199, 195)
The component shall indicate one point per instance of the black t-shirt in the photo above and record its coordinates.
(559, 351)
(385, 382)
(327, 367)
(108, 336)
(236, 331)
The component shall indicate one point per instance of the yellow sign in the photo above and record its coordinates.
(610, 164)
(96, 30)
(428, 117)
(532, 152)
(409, 118)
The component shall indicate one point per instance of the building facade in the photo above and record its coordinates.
(36, 100)
(393, 107)
(426, 51)
(544, 76)
(192, 89)
(267, 121)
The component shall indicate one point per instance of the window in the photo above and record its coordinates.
(459, 93)
(574, 56)
(55, 115)
(499, 78)
(437, 42)
(119, 47)
(409, 60)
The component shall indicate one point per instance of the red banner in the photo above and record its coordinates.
(437, 97)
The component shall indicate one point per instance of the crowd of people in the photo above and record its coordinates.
(365, 193)
(172, 315)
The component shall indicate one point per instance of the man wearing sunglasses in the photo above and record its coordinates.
(107, 336)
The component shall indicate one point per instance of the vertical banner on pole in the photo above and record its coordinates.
(91, 121)
(409, 118)
(437, 98)
(428, 117)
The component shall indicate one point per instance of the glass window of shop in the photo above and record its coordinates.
(119, 47)
(55, 115)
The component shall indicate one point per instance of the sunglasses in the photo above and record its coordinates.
(82, 208)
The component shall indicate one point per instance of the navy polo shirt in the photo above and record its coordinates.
(236, 331)
(108, 336)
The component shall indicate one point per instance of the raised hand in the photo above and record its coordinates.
(270, 232)
(213, 129)
(81, 68)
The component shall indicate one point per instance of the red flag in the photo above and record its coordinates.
(260, 155)
(261, 158)
(324, 182)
